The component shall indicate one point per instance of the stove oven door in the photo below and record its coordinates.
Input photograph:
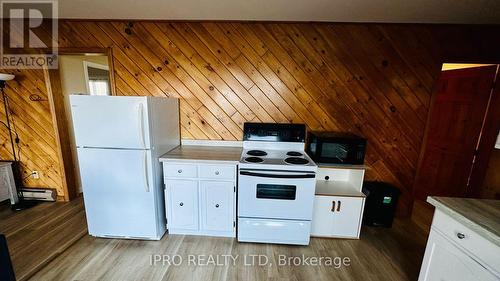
(276, 194)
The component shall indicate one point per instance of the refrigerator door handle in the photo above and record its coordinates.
(146, 181)
(140, 113)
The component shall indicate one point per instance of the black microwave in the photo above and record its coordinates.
(336, 148)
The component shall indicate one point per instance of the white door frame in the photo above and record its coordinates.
(86, 64)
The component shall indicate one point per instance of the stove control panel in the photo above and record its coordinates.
(274, 132)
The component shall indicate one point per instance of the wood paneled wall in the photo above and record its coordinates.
(374, 80)
(31, 114)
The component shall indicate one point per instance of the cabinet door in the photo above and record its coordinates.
(182, 198)
(217, 205)
(347, 216)
(444, 261)
(323, 218)
(336, 216)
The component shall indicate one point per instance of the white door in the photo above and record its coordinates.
(110, 121)
(118, 192)
(323, 216)
(336, 216)
(444, 261)
(217, 209)
(182, 198)
(347, 216)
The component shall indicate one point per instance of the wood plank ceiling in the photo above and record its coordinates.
(373, 80)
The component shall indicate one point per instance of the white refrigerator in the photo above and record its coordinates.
(119, 140)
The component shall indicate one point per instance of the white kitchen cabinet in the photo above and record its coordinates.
(337, 216)
(200, 198)
(445, 261)
(217, 206)
(338, 203)
(182, 198)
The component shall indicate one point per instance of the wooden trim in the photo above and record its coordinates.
(424, 141)
(340, 195)
(277, 22)
(56, 103)
(82, 50)
(111, 66)
(487, 140)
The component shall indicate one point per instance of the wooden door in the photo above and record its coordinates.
(454, 125)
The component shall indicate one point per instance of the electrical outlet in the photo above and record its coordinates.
(35, 175)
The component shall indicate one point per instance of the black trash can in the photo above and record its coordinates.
(380, 205)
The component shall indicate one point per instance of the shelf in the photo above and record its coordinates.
(337, 188)
(340, 166)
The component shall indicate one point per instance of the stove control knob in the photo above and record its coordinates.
(179, 171)
(181, 204)
(216, 205)
(217, 173)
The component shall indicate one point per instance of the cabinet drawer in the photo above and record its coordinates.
(480, 247)
(217, 172)
(178, 170)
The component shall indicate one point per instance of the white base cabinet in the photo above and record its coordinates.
(200, 199)
(336, 216)
(445, 261)
(338, 203)
(455, 252)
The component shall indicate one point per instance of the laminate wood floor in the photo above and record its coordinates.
(380, 254)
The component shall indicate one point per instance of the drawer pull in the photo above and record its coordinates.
(338, 206)
(217, 173)
(333, 206)
(460, 235)
(181, 204)
(179, 171)
(216, 205)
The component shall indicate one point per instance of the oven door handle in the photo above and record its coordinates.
(301, 176)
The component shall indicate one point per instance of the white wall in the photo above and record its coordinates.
(73, 82)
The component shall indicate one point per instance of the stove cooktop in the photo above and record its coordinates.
(275, 159)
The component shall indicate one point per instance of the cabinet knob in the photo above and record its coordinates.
(181, 204)
(217, 173)
(179, 171)
(216, 205)
(460, 235)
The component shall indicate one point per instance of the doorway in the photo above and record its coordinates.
(458, 157)
(82, 74)
(85, 72)
(461, 132)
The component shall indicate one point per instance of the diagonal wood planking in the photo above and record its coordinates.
(374, 80)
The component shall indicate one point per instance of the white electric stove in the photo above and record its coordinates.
(276, 182)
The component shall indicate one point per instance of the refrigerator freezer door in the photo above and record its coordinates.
(118, 192)
(110, 121)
